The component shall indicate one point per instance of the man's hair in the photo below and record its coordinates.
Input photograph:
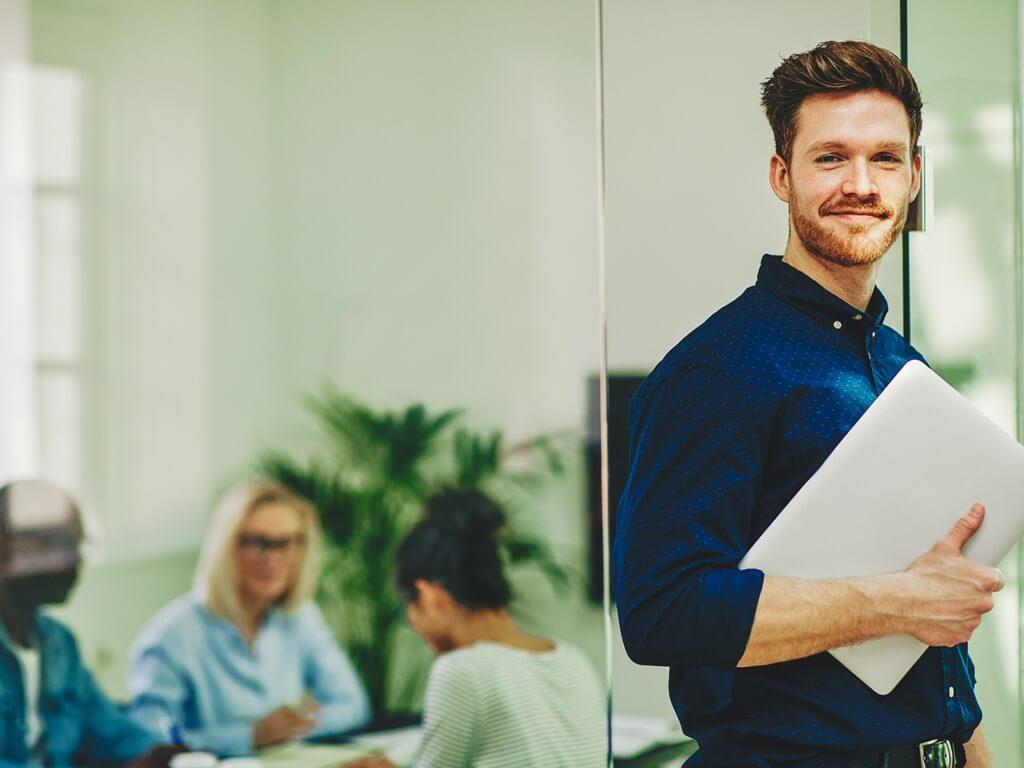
(833, 67)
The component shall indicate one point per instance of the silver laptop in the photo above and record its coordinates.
(899, 480)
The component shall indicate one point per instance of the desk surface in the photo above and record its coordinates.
(640, 743)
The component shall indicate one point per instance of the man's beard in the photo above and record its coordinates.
(858, 248)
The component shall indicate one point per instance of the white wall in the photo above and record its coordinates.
(354, 193)
(441, 204)
(145, 263)
(17, 448)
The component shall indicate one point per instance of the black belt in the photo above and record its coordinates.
(938, 753)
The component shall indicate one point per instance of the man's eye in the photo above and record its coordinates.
(827, 159)
(887, 158)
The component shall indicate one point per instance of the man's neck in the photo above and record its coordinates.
(854, 285)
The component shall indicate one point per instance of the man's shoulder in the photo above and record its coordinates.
(58, 647)
(731, 345)
(52, 630)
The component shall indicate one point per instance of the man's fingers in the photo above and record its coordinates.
(966, 526)
(1000, 581)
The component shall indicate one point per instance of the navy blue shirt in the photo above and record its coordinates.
(725, 430)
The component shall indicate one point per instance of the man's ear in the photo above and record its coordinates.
(916, 166)
(778, 178)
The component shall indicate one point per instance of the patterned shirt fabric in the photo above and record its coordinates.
(494, 706)
(724, 431)
(194, 671)
(79, 724)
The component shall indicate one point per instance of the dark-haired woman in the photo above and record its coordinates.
(498, 697)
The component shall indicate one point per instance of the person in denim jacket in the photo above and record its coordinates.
(52, 712)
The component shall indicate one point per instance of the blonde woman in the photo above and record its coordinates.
(246, 661)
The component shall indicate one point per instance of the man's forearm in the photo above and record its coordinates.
(797, 618)
(939, 599)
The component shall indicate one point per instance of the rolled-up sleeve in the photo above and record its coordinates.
(684, 520)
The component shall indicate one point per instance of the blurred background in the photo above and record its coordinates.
(226, 224)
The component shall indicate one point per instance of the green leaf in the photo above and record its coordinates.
(336, 504)
(477, 457)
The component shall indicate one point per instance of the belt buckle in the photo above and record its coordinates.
(937, 753)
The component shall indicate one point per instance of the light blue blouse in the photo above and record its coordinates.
(195, 671)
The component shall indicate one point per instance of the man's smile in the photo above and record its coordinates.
(859, 216)
(858, 213)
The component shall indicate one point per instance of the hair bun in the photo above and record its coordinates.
(467, 513)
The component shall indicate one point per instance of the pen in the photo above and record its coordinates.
(171, 731)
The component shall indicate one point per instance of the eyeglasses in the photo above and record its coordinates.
(254, 544)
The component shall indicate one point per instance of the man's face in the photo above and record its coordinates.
(33, 590)
(851, 176)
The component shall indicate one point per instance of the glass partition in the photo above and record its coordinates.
(964, 278)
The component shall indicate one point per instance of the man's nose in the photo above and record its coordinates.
(859, 181)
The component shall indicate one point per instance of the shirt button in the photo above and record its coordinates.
(858, 317)
(837, 325)
(952, 693)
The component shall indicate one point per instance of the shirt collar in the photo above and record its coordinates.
(794, 287)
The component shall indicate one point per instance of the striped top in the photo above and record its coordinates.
(494, 706)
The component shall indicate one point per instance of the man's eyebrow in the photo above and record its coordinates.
(887, 146)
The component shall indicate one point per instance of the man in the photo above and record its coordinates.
(52, 713)
(741, 413)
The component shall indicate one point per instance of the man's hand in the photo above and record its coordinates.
(157, 757)
(947, 593)
(284, 724)
(939, 600)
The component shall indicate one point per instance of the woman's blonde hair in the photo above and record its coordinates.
(215, 582)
